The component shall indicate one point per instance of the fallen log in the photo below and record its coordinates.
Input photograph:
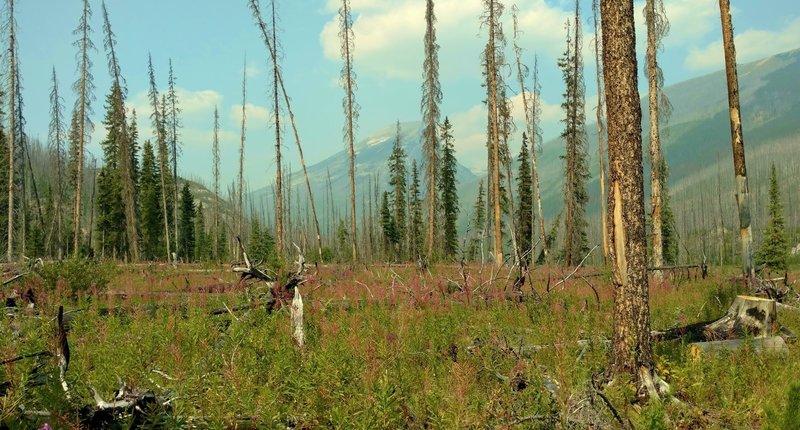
(773, 344)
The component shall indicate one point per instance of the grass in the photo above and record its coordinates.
(386, 348)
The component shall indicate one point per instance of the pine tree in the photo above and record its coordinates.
(525, 209)
(397, 180)
(56, 136)
(83, 127)
(12, 132)
(478, 223)
(133, 152)
(186, 224)
(388, 226)
(574, 135)
(110, 214)
(202, 245)
(150, 204)
(774, 251)
(172, 116)
(157, 118)
(415, 214)
(448, 192)
(431, 99)
(262, 245)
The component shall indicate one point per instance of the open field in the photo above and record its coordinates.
(386, 347)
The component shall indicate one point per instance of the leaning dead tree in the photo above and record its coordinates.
(737, 141)
(256, 11)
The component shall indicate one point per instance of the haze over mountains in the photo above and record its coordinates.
(696, 145)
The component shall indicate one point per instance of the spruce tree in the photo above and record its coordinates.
(774, 251)
(388, 226)
(431, 99)
(186, 244)
(202, 245)
(56, 137)
(351, 108)
(150, 204)
(478, 223)
(448, 192)
(397, 180)
(415, 214)
(574, 136)
(110, 213)
(525, 209)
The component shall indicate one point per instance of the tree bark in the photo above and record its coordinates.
(11, 134)
(276, 111)
(600, 129)
(656, 158)
(631, 349)
(737, 141)
(495, 130)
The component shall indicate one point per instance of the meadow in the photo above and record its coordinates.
(386, 347)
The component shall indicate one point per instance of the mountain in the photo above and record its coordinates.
(372, 154)
(697, 146)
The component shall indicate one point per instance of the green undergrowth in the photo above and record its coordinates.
(391, 364)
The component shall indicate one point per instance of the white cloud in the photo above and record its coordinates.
(251, 71)
(751, 44)
(389, 35)
(257, 115)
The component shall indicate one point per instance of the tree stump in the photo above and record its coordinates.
(747, 316)
(774, 344)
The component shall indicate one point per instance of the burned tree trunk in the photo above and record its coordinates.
(737, 141)
(631, 349)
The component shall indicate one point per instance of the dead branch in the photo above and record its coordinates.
(564, 280)
(62, 351)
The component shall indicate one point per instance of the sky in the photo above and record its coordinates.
(213, 44)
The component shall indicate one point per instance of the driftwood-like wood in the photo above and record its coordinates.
(773, 344)
(747, 316)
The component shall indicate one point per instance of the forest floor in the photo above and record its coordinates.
(386, 347)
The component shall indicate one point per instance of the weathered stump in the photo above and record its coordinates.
(774, 344)
(747, 316)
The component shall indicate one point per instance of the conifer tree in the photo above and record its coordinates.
(150, 203)
(240, 182)
(133, 151)
(124, 158)
(172, 116)
(157, 118)
(110, 214)
(202, 245)
(397, 180)
(525, 210)
(478, 223)
(415, 214)
(83, 127)
(186, 224)
(431, 99)
(774, 251)
(448, 192)
(389, 227)
(351, 108)
(279, 199)
(12, 130)
(56, 136)
(574, 136)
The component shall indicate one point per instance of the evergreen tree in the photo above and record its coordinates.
(150, 204)
(774, 251)
(110, 213)
(56, 138)
(478, 223)
(186, 224)
(262, 245)
(416, 241)
(429, 106)
(133, 141)
(397, 180)
(389, 227)
(574, 135)
(448, 192)
(202, 244)
(525, 209)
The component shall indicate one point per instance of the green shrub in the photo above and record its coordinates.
(78, 275)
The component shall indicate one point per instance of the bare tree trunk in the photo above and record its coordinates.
(240, 191)
(656, 159)
(495, 130)
(279, 234)
(600, 128)
(346, 34)
(631, 349)
(11, 132)
(215, 157)
(534, 171)
(737, 141)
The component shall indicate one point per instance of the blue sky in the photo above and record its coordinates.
(207, 41)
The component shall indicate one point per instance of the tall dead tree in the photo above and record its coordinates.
(12, 103)
(279, 211)
(84, 87)
(536, 111)
(56, 136)
(431, 99)
(600, 126)
(657, 27)
(737, 141)
(256, 11)
(492, 11)
(631, 349)
(215, 160)
(173, 125)
(125, 169)
(351, 108)
(240, 190)
(158, 127)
